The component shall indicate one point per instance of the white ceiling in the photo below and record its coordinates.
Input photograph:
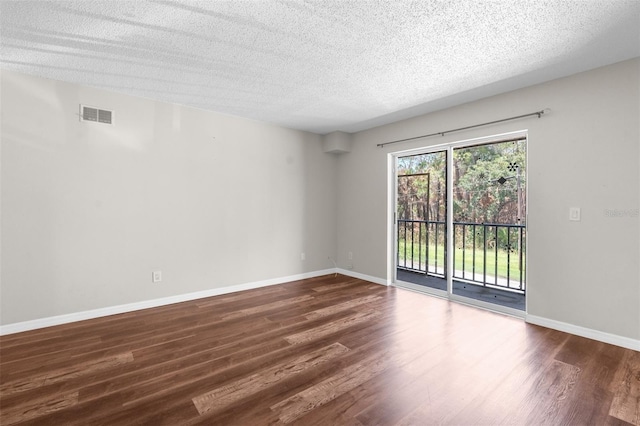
(322, 65)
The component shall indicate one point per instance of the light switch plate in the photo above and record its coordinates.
(574, 214)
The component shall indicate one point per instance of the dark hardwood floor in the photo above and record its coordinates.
(326, 351)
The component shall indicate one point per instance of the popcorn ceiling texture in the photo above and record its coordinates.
(320, 66)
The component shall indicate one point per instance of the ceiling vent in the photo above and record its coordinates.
(96, 115)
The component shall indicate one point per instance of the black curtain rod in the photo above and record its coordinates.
(538, 113)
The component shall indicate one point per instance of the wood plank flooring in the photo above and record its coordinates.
(331, 350)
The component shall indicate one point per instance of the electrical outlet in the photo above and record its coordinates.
(350, 255)
(303, 256)
(574, 214)
(156, 276)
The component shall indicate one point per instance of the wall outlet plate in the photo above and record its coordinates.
(574, 214)
(156, 276)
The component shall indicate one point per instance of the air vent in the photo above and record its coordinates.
(96, 115)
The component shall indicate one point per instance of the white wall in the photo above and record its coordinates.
(90, 210)
(585, 153)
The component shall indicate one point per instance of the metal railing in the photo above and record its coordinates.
(488, 254)
(421, 246)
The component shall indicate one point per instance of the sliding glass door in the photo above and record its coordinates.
(460, 221)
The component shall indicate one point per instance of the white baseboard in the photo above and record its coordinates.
(613, 339)
(589, 333)
(371, 278)
(129, 307)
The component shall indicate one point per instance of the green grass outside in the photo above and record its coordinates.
(514, 260)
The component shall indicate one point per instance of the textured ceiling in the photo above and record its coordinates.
(319, 66)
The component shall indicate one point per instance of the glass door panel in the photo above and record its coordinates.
(489, 229)
(421, 219)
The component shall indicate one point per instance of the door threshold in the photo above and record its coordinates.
(499, 309)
